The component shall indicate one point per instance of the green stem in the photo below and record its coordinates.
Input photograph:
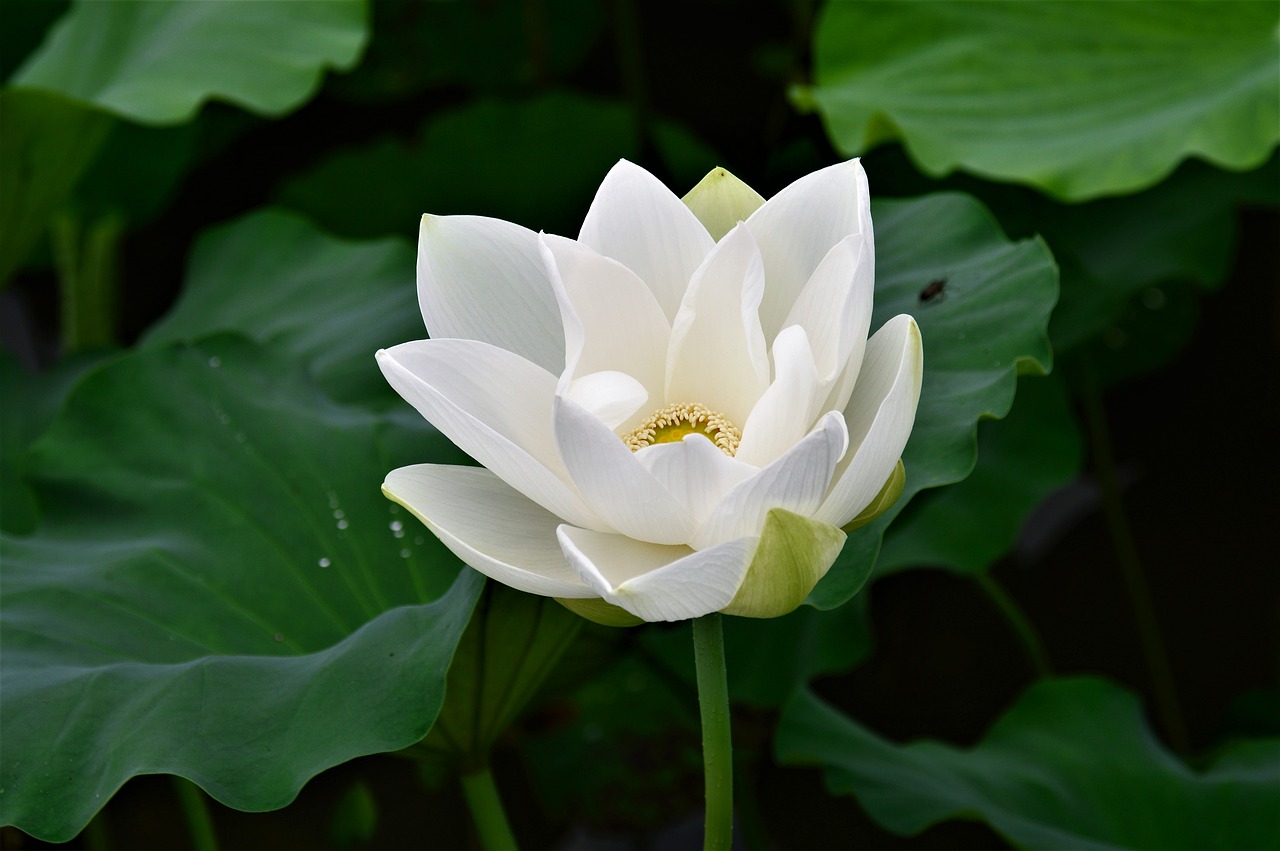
(196, 809)
(1021, 624)
(717, 741)
(1153, 649)
(86, 263)
(486, 811)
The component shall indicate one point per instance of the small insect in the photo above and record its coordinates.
(934, 291)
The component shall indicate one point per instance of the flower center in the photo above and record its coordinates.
(672, 423)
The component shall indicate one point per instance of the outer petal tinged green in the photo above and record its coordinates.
(793, 554)
(601, 612)
(796, 481)
(888, 496)
(880, 415)
(721, 200)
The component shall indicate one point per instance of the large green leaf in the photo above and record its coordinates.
(30, 401)
(157, 62)
(1072, 765)
(1021, 460)
(985, 325)
(1079, 99)
(332, 303)
(217, 589)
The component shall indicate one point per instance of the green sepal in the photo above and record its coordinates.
(598, 611)
(720, 201)
(793, 554)
(888, 496)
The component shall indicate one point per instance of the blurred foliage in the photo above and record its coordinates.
(190, 514)
(274, 277)
(1024, 459)
(1071, 764)
(156, 63)
(355, 818)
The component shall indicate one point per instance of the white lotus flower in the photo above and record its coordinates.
(677, 411)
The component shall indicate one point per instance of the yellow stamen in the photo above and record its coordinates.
(672, 423)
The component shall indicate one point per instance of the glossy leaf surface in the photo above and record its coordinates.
(1077, 99)
(217, 590)
(157, 62)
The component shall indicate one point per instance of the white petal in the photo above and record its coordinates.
(484, 279)
(695, 472)
(718, 356)
(496, 406)
(611, 397)
(614, 482)
(658, 583)
(787, 410)
(834, 308)
(798, 226)
(488, 525)
(880, 414)
(639, 222)
(796, 481)
(611, 320)
(603, 561)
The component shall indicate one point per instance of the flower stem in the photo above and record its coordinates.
(196, 810)
(486, 811)
(85, 259)
(1135, 580)
(1018, 620)
(717, 741)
